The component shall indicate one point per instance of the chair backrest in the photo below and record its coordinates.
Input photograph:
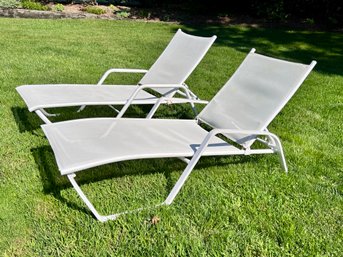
(254, 95)
(178, 60)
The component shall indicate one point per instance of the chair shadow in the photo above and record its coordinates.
(30, 122)
(26, 121)
(53, 183)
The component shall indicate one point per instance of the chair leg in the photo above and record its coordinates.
(279, 150)
(184, 159)
(91, 206)
(81, 108)
(282, 159)
(190, 166)
(41, 115)
(49, 114)
(185, 174)
(195, 111)
(88, 203)
(154, 108)
(113, 108)
(188, 94)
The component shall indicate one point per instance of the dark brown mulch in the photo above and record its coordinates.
(75, 11)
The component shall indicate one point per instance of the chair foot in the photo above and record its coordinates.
(278, 147)
(107, 218)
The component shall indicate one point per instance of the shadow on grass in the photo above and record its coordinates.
(29, 121)
(53, 182)
(295, 45)
(26, 121)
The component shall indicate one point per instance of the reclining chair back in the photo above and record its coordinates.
(254, 95)
(178, 60)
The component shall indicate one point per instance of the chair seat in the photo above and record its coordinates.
(86, 143)
(63, 95)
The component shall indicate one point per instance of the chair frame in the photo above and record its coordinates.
(183, 89)
(268, 139)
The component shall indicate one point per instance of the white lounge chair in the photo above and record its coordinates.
(176, 63)
(241, 112)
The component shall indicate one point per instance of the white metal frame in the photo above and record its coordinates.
(272, 142)
(163, 99)
(182, 89)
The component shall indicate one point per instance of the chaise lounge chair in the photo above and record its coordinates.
(241, 112)
(173, 67)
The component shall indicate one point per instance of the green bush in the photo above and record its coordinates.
(271, 10)
(9, 3)
(31, 5)
(94, 10)
(122, 14)
(59, 7)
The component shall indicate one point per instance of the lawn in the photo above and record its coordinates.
(229, 206)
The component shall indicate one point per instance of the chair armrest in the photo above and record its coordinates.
(275, 143)
(141, 87)
(108, 72)
(244, 132)
(176, 86)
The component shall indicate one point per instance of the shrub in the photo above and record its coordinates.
(328, 12)
(122, 14)
(113, 8)
(9, 3)
(271, 10)
(94, 10)
(31, 5)
(59, 7)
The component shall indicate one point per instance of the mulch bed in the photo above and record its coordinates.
(76, 11)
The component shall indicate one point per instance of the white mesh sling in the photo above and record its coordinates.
(241, 111)
(166, 77)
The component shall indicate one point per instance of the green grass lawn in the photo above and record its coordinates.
(229, 206)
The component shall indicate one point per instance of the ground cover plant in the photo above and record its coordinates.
(32, 5)
(229, 206)
(9, 3)
(94, 10)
